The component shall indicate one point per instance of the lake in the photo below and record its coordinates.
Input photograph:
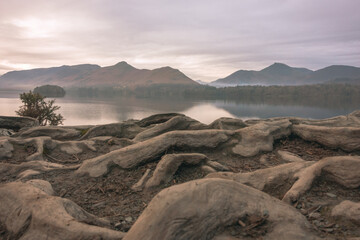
(93, 111)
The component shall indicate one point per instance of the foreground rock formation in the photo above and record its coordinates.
(171, 177)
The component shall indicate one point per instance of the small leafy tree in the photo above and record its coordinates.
(35, 106)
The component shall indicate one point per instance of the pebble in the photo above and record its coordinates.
(331, 195)
(128, 219)
(329, 230)
(264, 159)
(315, 215)
(266, 213)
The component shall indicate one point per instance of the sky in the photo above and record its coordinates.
(205, 39)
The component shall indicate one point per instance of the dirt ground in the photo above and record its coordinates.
(111, 196)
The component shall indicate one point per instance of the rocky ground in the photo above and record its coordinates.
(170, 177)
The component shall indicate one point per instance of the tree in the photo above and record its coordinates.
(36, 107)
(50, 91)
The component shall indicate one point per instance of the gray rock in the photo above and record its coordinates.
(331, 195)
(129, 219)
(289, 157)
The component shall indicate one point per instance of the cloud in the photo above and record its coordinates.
(205, 39)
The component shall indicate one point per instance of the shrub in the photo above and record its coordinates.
(36, 107)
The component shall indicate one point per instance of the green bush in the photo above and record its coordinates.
(36, 107)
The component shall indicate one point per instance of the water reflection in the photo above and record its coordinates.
(93, 111)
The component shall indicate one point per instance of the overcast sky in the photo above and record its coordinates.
(205, 39)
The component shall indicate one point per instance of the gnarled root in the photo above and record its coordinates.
(128, 129)
(31, 168)
(170, 163)
(343, 170)
(153, 148)
(214, 203)
(347, 210)
(260, 137)
(269, 177)
(29, 213)
(54, 132)
(175, 123)
(346, 138)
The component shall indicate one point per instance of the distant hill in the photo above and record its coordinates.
(120, 75)
(282, 74)
(63, 76)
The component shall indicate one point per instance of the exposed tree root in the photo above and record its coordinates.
(140, 184)
(151, 149)
(272, 177)
(215, 203)
(348, 211)
(248, 142)
(346, 138)
(30, 213)
(58, 133)
(343, 170)
(157, 118)
(227, 124)
(31, 168)
(200, 209)
(170, 163)
(175, 123)
(260, 137)
(128, 129)
(43, 144)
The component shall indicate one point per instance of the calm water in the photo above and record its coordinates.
(85, 111)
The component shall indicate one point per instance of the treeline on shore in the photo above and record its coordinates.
(333, 95)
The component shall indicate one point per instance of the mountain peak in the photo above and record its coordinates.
(123, 64)
(276, 67)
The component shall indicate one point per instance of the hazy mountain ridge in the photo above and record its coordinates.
(282, 74)
(124, 75)
(86, 75)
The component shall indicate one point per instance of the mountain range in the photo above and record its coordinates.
(86, 75)
(282, 74)
(124, 75)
